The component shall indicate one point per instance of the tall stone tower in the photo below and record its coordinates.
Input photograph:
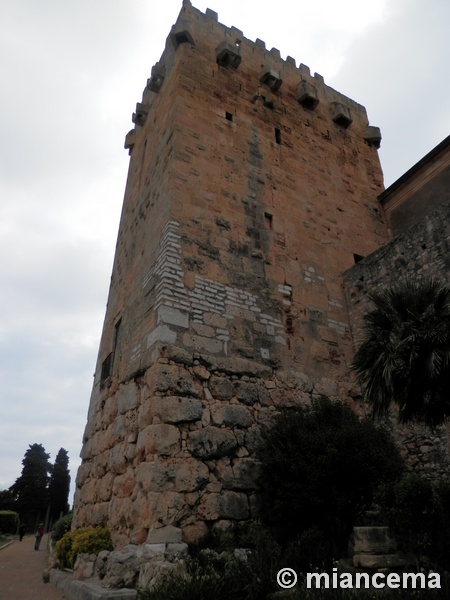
(252, 187)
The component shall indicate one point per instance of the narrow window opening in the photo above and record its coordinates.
(277, 135)
(106, 368)
(424, 246)
(116, 333)
(107, 365)
(228, 116)
(268, 218)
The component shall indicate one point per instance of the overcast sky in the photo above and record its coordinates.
(71, 73)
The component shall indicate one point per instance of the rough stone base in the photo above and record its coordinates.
(84, 590)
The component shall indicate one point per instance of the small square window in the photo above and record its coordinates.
(228, 116)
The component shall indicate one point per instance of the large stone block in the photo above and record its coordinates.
(161, 439)
(170, 409)
(124, 484)
(228, 505)
(180, 475)
(221, 388)
(212, 442)
(231, 415)
(165, 535)
(170, 380)
(241, 474)
(373, 540)
(128, 397)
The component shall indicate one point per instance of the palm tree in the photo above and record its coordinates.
(405, 356)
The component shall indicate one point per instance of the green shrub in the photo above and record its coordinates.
(417, 511)
(9, 521)
(321, 467)
(61, 527)
(82, 541)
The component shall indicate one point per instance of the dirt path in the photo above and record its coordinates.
(21, 572)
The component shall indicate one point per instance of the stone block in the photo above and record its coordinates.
(231, 415)
(161, 333)
(164, 535)
(195, 532)
(247, 392)
(372, 540)
(170, 409)
(221, 388)
(215, 320)
(227, 505)
(171, 379)
(173, 316)
(212, 442)
(159, 439)
(242, 474)
(154, 548)
(176, 550)
(200, 343)
(180, 475)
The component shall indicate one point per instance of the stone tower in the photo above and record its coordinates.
(252, 187)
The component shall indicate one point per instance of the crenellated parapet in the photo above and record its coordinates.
(265, 73)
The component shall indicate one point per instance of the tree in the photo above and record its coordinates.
(30, 489)
(6, 500)
(59, 486)
(321, 466)
(405, 356)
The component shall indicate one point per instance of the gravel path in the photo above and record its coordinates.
(21, 570)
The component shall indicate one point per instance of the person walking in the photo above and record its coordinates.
(38, 535)
(21, 532)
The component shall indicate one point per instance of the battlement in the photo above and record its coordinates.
(262, 74)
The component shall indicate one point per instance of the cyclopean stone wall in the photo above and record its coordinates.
(175, 449)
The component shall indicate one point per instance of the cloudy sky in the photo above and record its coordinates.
(71, 74)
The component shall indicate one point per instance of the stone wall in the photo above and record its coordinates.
(421, 251)
(176, 448)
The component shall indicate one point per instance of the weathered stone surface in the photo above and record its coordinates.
(170, 380)
(180, 475)
(164, 535)
(212, 442)
(247, 393)
(159, 439)
(128, 397)
(239, 474)
(231, 415)
(195, 532)
(169, 409)
(228, 505)
(372, 540)
(221, 388)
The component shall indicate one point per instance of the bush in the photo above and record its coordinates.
(418, 514)
(61, 527)
(82, 541)
(9, 521)
(219, 573)
(321, 467)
